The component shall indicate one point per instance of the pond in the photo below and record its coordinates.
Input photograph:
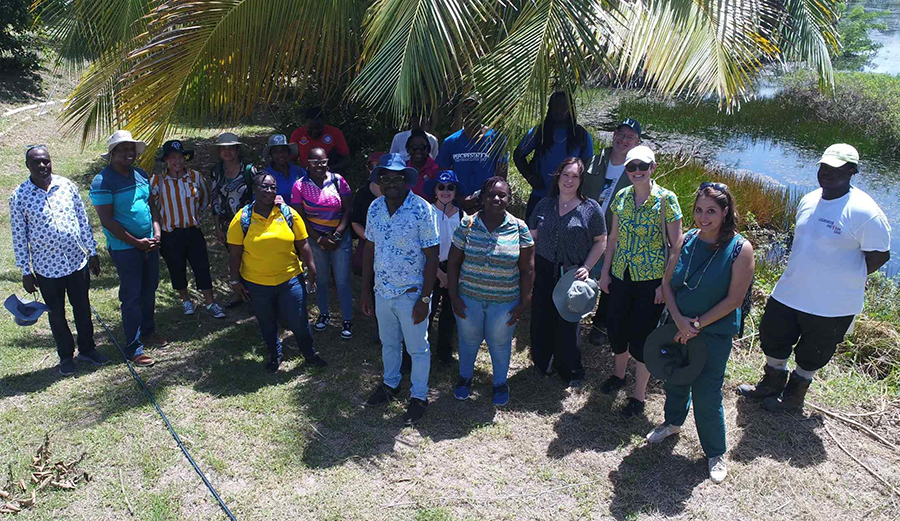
(887, 58)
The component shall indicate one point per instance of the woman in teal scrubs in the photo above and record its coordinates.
(703, 292)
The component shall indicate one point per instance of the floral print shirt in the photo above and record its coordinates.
(639, 247)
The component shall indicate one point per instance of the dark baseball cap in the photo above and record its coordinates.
(632, 124)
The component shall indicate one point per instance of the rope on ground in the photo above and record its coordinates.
(162, 415)
(861, 464)
(856, 424)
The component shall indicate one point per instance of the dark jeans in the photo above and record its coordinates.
(816, 337)
(554, 341)
(54, 292)
(631, 315)
(138, 279)
(446, 319)
(285, 303)
(180, 247)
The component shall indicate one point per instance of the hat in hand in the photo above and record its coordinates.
(671, 361)
(24, 313)
(575, 298)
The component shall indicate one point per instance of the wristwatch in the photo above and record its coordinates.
(696, 324)
(234, 282)
(426, 299)
(336, 235)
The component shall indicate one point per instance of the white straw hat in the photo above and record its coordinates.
(122, 136)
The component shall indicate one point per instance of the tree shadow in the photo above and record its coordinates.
(19, 87)
(654, 480)
(780, 436)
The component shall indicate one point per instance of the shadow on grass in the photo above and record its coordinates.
(652, 479)
(780, 436)
(20, 87)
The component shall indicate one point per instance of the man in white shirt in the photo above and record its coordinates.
(840, 238)
(55, 250)
(604, 178)
(417, 122)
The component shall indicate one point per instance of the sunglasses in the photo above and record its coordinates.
(715, 186)
(268, 188)
(448, 187)
(391, 179)
(419, 148)
(642, 166)
(318, 161)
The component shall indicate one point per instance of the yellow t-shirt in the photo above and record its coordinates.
(269, 255)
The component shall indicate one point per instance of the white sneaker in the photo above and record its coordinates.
(717, 469)
(188, 307)
(662, 432)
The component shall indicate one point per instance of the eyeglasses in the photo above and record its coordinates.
(448, 187)
(715, 186)
(418, 148)
(642, 166)
(318, 162)
(268, 188)
(391, 179)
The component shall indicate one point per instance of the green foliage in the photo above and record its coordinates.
(854, 27)
(18, 47)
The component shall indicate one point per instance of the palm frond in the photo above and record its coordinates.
(416, 51)
(809, 32)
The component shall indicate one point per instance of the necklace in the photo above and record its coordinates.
(565, 206)
(691, 260)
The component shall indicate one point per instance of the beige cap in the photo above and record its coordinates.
(122, 136)
(839, 154)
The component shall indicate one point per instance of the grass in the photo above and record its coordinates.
(297, 445)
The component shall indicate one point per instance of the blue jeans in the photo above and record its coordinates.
(485, 321)
(138, 279)
(338, 261)
(285, 303)
(395, 325)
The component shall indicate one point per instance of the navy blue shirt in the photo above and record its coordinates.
(473, 161)
(286, 184)
(558, 151)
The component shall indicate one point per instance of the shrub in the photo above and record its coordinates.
(18, 47)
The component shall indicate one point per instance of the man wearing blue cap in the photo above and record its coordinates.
(56, 252)
(603, 179)
(401, 256)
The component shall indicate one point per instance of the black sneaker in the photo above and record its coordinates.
(415, 411)
(316, 361)
(597, 336)
(272, 365)
(67, 367)
(612, 384)
(383, 394)
(633, 408)
(347, 330)
(321, 323)
(92, 357)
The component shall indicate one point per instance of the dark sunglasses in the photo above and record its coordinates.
(448, 187)
(391, 179)
(419, 148)
(631, 167)
(715, 186)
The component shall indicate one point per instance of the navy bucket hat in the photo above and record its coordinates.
(394, 163)
(443, 177)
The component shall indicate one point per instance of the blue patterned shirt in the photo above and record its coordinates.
(50, 230)
(490, 269)
(399, 240)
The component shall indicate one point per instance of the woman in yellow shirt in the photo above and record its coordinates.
(633, 268)
(266, 242)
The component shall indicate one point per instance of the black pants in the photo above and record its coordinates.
(180, 247)
(631, 314)
(599, 320)
(816, 337)
(554, 341)
(54, 293)
(446, 320)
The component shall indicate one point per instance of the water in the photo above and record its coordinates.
(887, 58)
(792, 166)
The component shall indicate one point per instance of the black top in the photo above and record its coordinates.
(361, 202)
(566, 239)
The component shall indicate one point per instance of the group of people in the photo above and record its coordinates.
(435, 231)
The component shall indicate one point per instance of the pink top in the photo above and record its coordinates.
(428, 171)
(322, 205)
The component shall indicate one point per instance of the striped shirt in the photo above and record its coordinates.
(180, 199)
(323, 206)
(490, 269)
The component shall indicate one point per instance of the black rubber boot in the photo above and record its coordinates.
(792, 398)
(772, 383)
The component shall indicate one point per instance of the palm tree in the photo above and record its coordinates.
(158, 64)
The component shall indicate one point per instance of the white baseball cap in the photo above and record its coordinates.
(640, 153)
(839, 154)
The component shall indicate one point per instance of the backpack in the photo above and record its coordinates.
(247, 211)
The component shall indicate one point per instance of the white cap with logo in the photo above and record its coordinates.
(839, 154)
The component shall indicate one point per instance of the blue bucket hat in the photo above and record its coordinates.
(394, 163)
(25, 313)
(443, 177)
